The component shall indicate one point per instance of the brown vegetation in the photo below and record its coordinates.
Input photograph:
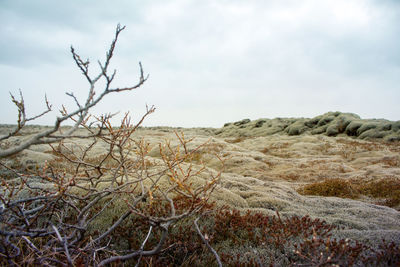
(331, 188)
(386, 191)
(255, 239)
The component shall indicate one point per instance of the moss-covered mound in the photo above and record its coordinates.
(330, 124)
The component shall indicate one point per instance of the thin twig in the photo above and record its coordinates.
(143, 244)
(206, 242)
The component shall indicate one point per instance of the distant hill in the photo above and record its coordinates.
(330, 124)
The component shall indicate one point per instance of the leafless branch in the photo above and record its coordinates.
(143, 244)
(64, 243)
(152, 252)
(205, 241)
(22, 119)
(81, 112)
(51, 216)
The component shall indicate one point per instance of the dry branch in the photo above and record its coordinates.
(52, 217)
(80, 114)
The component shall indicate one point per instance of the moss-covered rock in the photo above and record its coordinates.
(343, 121)
(296, 128)
(385, 127)
(325, 120)
(396, 126)
(319, 130)
(242, 122)
(259, 123)
(332, 130)
(366, 126)
(330, 124)
(392, 137)
(351, 129)
(373, 134)
(313, 122)
(273, 129)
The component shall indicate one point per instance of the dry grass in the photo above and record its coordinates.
(330, 188)
(385, 191)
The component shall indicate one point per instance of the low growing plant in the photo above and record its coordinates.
(385, 191)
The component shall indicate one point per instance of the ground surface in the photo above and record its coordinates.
(264, 173)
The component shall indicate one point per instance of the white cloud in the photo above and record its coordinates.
(215, 61)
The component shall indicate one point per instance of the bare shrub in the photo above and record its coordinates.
(73, 215)
(85, 208)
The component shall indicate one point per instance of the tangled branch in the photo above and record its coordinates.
(81, 113)
(65, 213)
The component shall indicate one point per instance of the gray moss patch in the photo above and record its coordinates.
(330, 124)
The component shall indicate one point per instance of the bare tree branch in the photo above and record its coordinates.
(51, 216)
(81, 111)
(152, 252)
(205, 241)
(22, 119)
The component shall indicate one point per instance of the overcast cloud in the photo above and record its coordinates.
(210, 61)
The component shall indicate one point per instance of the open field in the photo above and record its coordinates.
(347, 181)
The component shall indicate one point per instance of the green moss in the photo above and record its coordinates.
(242, 122)
(313, 122)
(332, 130)
(343, 121)
(396, 126)
(392, 137)
(330, 124)
(366, 126)
(319, 130)
(325, 120)
(373, 134)
(352, 128)
(296, 128)
(385, 127)
(259, 123)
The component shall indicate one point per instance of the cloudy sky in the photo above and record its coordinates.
(210, 61)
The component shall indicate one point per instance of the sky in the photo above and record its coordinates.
(209, 61)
